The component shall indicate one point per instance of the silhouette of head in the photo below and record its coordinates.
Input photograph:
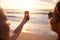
(58, 6)
(3, 16)
(4, 25)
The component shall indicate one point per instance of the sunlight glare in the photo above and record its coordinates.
(26, 4)
(18, 4)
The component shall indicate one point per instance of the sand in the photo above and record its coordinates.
(33, 36)
(36, 32)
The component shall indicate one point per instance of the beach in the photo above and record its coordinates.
(35, 29)
(32, 36)
(41, 33)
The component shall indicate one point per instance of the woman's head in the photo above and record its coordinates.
(3, 16)
(4, 25)
(57, 8)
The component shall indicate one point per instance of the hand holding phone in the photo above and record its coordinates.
(26, 14)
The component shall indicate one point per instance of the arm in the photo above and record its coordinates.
(18, 29)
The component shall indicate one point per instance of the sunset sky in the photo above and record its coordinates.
(27, 4)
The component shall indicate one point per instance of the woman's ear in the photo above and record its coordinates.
(50, 15)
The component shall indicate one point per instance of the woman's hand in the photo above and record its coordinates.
(26, 18)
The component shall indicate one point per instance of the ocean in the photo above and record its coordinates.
(34, 18)
(37, 22)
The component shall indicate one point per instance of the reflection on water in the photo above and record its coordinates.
(36, 23)
(34, 18)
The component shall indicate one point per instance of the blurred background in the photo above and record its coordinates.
(38, 11)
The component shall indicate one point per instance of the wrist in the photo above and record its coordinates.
(22, 23)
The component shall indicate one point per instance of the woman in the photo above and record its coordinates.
(5, 29)
(55, 20)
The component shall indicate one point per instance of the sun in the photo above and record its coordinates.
(27, 6)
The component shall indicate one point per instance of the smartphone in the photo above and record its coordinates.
(26, 14)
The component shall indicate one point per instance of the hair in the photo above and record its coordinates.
(4, 27)
(3, 16)
(57, 6)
